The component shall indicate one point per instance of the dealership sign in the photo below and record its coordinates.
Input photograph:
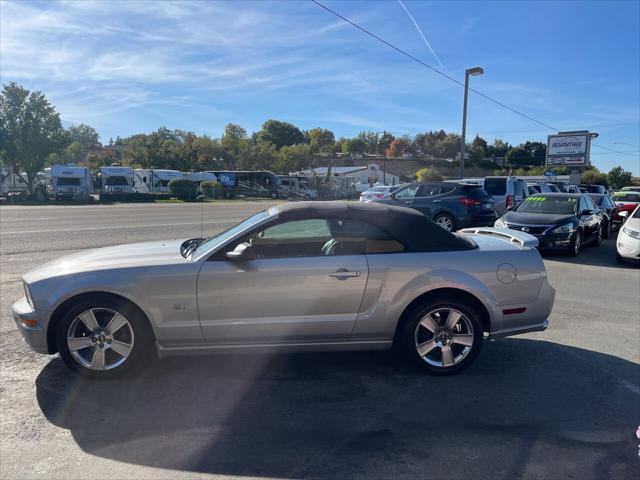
(569, 148)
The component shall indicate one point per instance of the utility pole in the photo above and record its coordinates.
(473, 72)
(384, 161)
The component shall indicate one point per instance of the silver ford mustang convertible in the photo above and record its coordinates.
(303, 276)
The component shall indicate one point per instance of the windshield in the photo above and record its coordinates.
(550, 205)
(117, 181)
(68, 181)
(636, 213)
(218, 239)
(626, 197)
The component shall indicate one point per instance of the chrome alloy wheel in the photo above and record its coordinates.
(445, 222)
(444, 337)
(100, 339)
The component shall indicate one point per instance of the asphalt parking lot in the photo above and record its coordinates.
(564, 403)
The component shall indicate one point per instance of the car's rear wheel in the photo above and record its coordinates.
(442, 337)
(576, 245)
(104, 337)
(446, 221)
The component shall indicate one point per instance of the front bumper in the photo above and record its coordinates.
(628, 247)
(30, 323)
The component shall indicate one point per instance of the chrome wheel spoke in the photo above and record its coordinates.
(117, 322)
(89, 319)
(465, 339)
(447, 356)
(453, 319)
(78, 343)
(426, 347)
(97, 361)
(122, 348)
(430, 324)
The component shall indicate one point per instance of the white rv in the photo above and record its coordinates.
(116, 180)
(153, 180)
(199, 177)
(12, 183)
(70, 183)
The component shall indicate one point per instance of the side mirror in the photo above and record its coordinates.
(587, 212)
(623, 214)
(244, 251)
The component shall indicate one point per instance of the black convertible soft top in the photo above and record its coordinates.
(410, 227)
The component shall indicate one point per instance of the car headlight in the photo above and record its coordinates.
(27, 293)
(500, 223)
(566, 228)
(631, 233)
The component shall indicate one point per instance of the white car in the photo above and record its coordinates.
(628, 242)
(377, 192)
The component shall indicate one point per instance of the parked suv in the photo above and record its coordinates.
(507, 192)
(542, 187)
(450, 205)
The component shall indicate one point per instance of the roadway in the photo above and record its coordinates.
(564, 403)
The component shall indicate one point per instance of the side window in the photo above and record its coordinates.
(299, 229)
(407, 193)
(519, 189)
(428, 191)
(321, 237)
(582, 205)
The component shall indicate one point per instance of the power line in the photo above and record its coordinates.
(449, 77)
(616, 151)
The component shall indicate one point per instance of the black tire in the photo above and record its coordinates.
(607, 230)
(138, 329)
(576, 245)
(411, 335)
(599, 235)
(444, 219)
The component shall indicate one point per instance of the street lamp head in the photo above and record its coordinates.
(475, 71)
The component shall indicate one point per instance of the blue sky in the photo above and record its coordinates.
(131, 66)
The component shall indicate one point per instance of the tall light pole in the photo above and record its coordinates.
(475, 71)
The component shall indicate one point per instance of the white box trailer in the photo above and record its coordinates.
(70, 183)
(153, 180)
(199, 177)
(116, 180)
(12, 183)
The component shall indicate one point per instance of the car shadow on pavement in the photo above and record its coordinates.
(525, 408)
(602, 256)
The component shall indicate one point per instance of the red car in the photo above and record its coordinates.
(625, 201)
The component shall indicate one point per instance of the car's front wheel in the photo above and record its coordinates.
(599, 234)
(442, 337)
(104, 337)
(576, 245)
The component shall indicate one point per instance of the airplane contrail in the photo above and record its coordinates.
(420, 32)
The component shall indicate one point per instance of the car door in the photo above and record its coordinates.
(589, 221)
(295, 290)
(405, 196)
(424, 199)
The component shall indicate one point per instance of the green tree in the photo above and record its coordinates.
(353, 146)
(85, 135)
(370, 140)
(30, 130)
(594, 177)
(619, 177)
(478, 141)
(518, 156)
(280, 134)
(477, 152)
(233, 140)
(321, 140)
(293, 158)
(448, 147)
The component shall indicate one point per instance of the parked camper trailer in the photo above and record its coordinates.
(12, 183)
(199, 177)
(116, 180)
(249, 183)
(294, 186)
(154, 180)
(70, 183)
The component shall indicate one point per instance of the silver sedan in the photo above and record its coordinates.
(298, 277)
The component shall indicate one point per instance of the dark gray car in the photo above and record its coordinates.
(450, 205)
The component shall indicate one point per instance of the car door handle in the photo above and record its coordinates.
(340, 274)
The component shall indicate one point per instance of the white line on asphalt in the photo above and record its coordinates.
(112, 227)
